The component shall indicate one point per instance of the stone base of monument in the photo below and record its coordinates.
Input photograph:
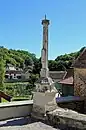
(42, 103)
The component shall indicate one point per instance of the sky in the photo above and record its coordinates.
(20, 25)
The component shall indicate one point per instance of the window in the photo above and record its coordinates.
(19, 77)
(6, 76)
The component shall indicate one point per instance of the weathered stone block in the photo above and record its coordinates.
(67, 119)
(43, 102)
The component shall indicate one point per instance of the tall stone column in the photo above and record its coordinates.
(44, 53)
(44, 95)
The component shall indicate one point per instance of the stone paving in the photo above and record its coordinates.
(24, 124)
(32, 126)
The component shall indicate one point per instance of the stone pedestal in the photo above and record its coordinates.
(42, 103)
(44, 98)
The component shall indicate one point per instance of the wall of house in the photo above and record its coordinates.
(79, 82)
(16, 77)
(58, 86)
(13, 76)
(67, 90)
(10, 68)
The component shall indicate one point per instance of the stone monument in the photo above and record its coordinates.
(44, 95)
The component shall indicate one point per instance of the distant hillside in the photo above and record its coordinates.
(18, 58)
(22, 59)
(64, 62)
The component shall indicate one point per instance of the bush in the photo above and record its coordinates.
(20, 99)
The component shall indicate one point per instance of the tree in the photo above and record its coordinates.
(28, 61)
(33, 78)
(23, 59)
(2, 73)
(37, 66)
(53, 65)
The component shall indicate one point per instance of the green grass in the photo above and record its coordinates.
(21, 98)
(3, 100)
(13, 90)
(17, 99)
(16, 83)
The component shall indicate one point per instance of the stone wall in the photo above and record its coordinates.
(79, 82)
(78, 106)
(66, 119)
(15, 109)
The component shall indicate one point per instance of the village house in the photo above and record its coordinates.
(57, 76)
(66, 85)
(74, 83)
(13, 73)
(80, 74)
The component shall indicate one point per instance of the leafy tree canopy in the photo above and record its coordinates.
(23, 59)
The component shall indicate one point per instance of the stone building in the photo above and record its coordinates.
(67, 87)
(74, 82)
(14, 74)
(57, 75)
(66, 84)
(80, 74)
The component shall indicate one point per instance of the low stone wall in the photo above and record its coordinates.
(78, 106)
(66, 119)
(15, 109)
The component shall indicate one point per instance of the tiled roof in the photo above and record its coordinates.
(14, 71)
(67, 81)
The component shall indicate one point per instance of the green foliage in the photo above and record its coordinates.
(33, 78)
(65, 61)
(23, 59)
(28, 61)
(37, 66)
(2, 73)
(20, 98)
(19, 58)
(22, 89)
